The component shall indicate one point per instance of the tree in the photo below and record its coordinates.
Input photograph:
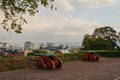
(15, 9)
(95, 44)
(105, 33)
(108, 34)
(102, 38)
(85, 41)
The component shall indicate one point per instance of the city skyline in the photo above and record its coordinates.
(69, 23)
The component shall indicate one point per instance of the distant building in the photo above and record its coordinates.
(2, 51)
(4, 45)
(26, 52)
(14, 51)
(53, 47)
(29, 46)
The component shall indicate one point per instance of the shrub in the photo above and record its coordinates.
(70, 57)
(31, 54)
(13, 63)
(111, 54)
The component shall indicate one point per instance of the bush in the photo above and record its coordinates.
(31, 54)
(111, 54)
(37, 52)
(13, 63)
(70, 57)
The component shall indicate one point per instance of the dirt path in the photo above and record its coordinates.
(105, 69)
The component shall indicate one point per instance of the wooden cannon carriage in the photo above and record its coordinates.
(90, 56)
(48, 61)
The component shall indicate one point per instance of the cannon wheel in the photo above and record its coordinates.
(50, 65)
(40, 63)
(85, 57)
(97, 57)
(93, 58)
(59, 63)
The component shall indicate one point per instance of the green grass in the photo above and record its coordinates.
(70, 57)
(19, 62)
(13, 63)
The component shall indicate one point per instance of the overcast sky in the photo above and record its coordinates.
(72, 20)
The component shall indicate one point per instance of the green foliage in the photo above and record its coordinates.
(105, 32)
(15, 9)
(37, 52)
(102, 39)
(70, 57)
(110, 54)
(97, 44)
(12, 63)
(76, 50)
(31, 54)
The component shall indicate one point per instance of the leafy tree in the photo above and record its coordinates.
(102, 38)
(108, 34)
(87, 36)
(94, 44)
(105, 33)
(15, 9)
(85, 40)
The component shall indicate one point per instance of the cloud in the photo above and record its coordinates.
(63, 5)
(64, 25)
(96, 3)
(58, 28)
(116, 27)
(71, 26)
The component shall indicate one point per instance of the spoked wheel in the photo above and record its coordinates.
(85, 57)
(97, 57)
(93, 58)
(40, 63)
(59, 63)
(50, 65)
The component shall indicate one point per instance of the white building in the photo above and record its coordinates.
(29, 46)
(4, 45)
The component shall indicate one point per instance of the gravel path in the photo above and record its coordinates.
(105, 69)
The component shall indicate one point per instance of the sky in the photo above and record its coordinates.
(69, 23)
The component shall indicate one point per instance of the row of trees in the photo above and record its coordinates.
(103, 38)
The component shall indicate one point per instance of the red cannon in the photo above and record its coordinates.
(90, 56)
(48, 62)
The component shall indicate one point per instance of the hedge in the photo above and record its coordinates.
(111, 54)
(70, 57)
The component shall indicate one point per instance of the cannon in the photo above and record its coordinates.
(48, 61)
(90, 56)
